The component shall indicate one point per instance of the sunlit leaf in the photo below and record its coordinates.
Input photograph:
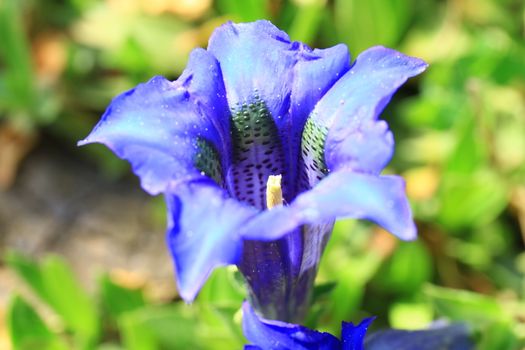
(461, 305)
(400, 273)
(27, 330)
(54, 282)
(117, 299)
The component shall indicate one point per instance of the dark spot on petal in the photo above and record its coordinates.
(129, 92)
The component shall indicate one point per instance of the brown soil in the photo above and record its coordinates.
(61, 205)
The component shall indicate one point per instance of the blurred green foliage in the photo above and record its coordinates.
(117, 317)
(460, 134)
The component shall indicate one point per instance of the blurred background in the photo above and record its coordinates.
(83, 264)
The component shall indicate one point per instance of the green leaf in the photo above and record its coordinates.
(498, 336)
(470, 253)
(27, 330)
(222, 288)
(109, 346)
(469, 153)
(410, 315)
(179, 326)
(362, 24)
(117, 299)
(218, 302)
(16, 56)
(218, 324)
(437, 108)
(350, 268)
(406, 270)
(69, 300)
(466, 200)
(321, 296)
(135, 334)
(30, 272)
(246, 10)
(461, 305)
(322, 290)
(307, 20)
(54, 282)
(170, 327)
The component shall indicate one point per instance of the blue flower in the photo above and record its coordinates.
(276, 335)
(255, 104)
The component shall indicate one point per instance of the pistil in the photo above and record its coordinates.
(274, 192)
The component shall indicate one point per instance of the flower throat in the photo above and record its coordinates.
(257, 152)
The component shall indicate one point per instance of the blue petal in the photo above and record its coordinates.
(366, 149)
(380, 199)
(353, 337)
(276, 335)
(356, 100)
(157, 125)
(203, 226)
(289, 76)
(257, 59)
(281, 275)
(453, 337)
(313, 76)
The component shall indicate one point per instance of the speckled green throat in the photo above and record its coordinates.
(312, 165)
(208, 161)
(257, 151)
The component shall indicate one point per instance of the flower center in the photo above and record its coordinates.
(257, 151)
(257, 155)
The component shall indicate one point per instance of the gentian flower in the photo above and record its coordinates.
(250, 106)
(277, 335)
